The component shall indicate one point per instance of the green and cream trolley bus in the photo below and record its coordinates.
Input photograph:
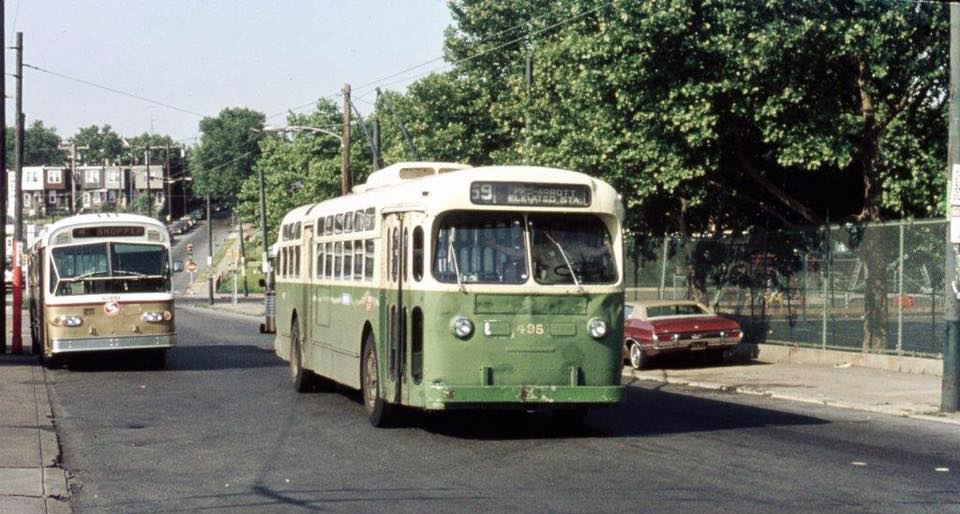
(441, 286)
(99, 283)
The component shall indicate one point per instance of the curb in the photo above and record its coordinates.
(220, 310)
(753, 391)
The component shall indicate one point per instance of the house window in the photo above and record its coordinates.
(52, 197)
(31, 176)
(54, 176)
(93, 176)
(113, 176)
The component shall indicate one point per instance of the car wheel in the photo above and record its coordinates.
(638, 359)
(378, 411)
(302, 379)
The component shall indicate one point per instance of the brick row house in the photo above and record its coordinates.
(47, 189)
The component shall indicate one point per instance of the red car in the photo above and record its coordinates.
(655, 327)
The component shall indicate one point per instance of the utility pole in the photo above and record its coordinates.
(269, 298)
(146, 158)
(17, 246)
(209, 253)
(345, 178)
(950, 385)
(377, 160)
(243, 259)
(167, 203)
(3, 182)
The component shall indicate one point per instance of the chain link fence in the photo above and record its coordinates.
(875, 288)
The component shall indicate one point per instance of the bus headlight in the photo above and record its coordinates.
(597, 328)
(152, 317)
(68, 321)
(462, 327)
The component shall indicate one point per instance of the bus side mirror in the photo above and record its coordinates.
(177, 266)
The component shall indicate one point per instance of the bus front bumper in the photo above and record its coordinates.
(441, 396)
(97, 344)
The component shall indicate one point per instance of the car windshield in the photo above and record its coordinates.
(482, 247)
(581, 242)
(679, 309)
(99, 268)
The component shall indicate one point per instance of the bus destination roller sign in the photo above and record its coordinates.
(530, 194)
(108, 231)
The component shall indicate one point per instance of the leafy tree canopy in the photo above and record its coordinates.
(228, 149)
(40, 146)
(104, 145)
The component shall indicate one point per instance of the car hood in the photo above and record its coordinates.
(693, 324)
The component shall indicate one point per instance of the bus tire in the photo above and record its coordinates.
(378, 411)
(303, 380)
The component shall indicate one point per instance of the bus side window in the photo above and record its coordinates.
(394, 254)
(371, 221)
(358, 221)
(358, 260)
(404, 268)
(328, 225)
(337, 258)
(369, 260)
(348, 223)
(347, 260)
(319, 260)
(418, 253)
(296, 260)
(338, 224)
(328, 261)
(416, 345)
(283, 262)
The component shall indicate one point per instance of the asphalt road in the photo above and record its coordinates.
(221, 430)
(198, 237)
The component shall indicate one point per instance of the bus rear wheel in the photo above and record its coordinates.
(303, 380)
(378, 411)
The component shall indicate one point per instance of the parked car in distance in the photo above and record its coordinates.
(654, 327)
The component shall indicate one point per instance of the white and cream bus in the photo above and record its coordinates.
(441, 286)
(101, 282)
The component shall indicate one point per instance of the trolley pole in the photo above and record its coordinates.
(3, 183)
(269, 300)
(209, 253)
(950, 386)
(17, 246)
(345, 178)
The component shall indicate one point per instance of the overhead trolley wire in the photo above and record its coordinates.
(114, 90)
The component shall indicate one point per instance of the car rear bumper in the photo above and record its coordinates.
(442, 396)
(99, 344)
(690, 346)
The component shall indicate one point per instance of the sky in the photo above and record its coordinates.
(204, 55)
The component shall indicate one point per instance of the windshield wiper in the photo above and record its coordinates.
(573, 274)
(452, 255)
(86, 275)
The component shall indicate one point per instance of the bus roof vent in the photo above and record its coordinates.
(62, 239)
(153, 235)
(403, 171)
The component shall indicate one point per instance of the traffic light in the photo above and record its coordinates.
(190, 248)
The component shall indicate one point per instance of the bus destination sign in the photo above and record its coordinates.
(109, 231)
(530, 194)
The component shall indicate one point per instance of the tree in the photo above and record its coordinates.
(720, 116)
(40, 146)
(104, 145)
(228, 149)
(300, 167)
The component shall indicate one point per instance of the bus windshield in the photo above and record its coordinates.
(580, 242)
(99, 268)
(484, 248)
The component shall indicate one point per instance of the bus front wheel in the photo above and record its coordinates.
(378, 411)
(303, 379)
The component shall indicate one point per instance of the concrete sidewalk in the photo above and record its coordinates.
(31, 479)
(840, 385)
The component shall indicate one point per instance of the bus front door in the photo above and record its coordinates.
(393, 315)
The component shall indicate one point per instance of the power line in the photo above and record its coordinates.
(114, 90)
